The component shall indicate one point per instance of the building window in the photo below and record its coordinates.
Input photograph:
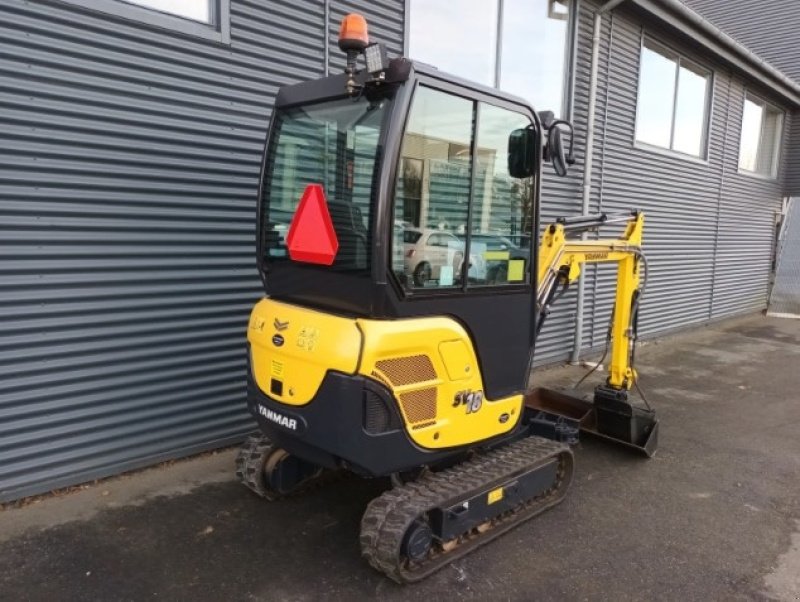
(674, 93)
(534, 52)
(196, 10)
(762, 126)
(209, 19)
(519, 46)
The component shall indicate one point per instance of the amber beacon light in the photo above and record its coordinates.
(353, 39)
(353, 36)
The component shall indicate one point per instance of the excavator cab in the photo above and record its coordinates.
(413, 170)
(391, 201)
(397, 241)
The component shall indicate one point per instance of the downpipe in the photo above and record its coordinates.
(588, 165)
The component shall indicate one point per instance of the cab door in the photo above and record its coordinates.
(458, 140)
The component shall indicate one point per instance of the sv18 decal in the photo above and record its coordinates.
(473, 400)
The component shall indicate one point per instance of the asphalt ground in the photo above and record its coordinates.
(714, 516)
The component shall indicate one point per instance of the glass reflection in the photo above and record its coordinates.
(690, 111)
(770, 142)
(533, 58)
(459, 37)
(672, 110)
(197, 10)
(432, 191)
(751, 133)
(762, 127)
(656, 97)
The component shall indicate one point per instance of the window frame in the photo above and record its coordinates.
(570, 55)
(747, 94)
(218, 29)
(654, 45)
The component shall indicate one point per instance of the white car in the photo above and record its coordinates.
(437, 255)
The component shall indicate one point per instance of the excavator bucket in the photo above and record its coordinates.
(608, 416)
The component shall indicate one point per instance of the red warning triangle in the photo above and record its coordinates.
(311, 236)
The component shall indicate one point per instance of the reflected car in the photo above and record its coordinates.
(496, 270)
(428, 250)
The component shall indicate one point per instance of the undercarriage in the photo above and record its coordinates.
(424, 523)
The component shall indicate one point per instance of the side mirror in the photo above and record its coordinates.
(522, 153)
(554, 151)
(547, 118)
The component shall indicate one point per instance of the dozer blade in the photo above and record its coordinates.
(609, 416)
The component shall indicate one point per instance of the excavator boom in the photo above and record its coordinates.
(561, 259)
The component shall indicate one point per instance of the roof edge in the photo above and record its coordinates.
(684, 19)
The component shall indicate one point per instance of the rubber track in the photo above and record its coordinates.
(250, 466)
(387, 517)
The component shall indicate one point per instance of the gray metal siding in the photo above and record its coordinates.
(767, 27)
(128, 173)
(791, 181)
(709, 230)
(562, 197)
(746, 227)
(785, 295)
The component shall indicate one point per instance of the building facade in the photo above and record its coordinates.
(131, 144)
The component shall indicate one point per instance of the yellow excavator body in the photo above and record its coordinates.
(428, 364)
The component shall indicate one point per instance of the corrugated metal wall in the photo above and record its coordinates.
(768, 28)
(128, 173)
(791, 180)
(709, 229)
(746, 232)
(784, 298)
(562, 197)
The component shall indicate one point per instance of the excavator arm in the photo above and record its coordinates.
(561, 259)
(560, 263)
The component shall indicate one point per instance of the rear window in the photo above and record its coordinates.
(333, 144)
(411, 237)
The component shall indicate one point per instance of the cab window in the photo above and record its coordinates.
(502, 206)
(432, 190)
(334, 144)
(437, 180)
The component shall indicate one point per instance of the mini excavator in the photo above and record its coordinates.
(398, 244)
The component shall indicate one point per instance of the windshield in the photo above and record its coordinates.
(334, 144)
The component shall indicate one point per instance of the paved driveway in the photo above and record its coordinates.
(714, 516)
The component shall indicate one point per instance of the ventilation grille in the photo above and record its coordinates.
(378, 417)
(407, 370)
(419, 405)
